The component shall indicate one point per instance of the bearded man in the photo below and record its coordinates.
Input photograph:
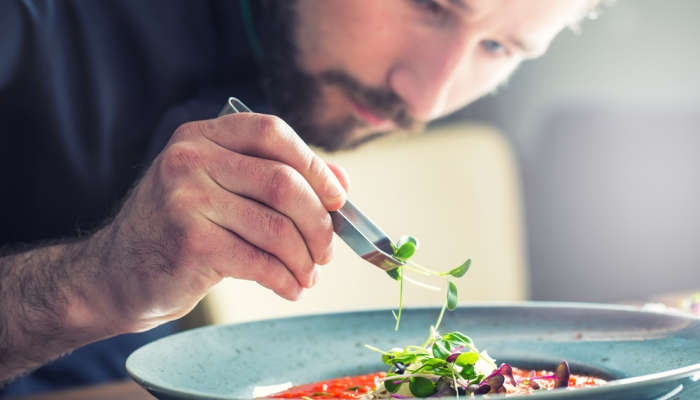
(100, 97)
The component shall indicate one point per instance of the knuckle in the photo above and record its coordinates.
(270, 128)
(278, 227)
(260, 261)
(179, 158)
(315, 166)
(188, 130)
(280, 187)
(228, 121)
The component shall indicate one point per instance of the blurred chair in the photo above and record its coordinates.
(455, 188)
(613, 203)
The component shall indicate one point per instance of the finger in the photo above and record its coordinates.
(269, 137)
(341, 174)
(264, 228)
(240, 259)
(279, 187)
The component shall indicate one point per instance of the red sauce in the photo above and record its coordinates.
(352, 387)
(347, 387)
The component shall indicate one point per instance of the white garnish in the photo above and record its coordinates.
(264, 391)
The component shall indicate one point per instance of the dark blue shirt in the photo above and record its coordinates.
(90, 91)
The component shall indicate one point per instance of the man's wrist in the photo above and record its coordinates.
(54, 299)
(93, 308)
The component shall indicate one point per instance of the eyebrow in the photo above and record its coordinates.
(462, 5)
(525, 47)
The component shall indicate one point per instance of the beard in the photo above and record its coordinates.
(296, 95)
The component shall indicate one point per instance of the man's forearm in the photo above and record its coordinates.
(49, 304)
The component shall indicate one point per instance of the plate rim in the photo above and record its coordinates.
(647, 379)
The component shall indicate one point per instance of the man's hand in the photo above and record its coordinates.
(239, 196)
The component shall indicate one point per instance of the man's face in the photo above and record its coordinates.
(363, 67)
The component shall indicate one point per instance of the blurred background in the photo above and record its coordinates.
(578, 180)
(606, 130)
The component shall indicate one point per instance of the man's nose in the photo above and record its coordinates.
(424, 77)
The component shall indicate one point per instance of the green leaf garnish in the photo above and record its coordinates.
(391, 386)
(468, 372)
(395, 273)
(459, 271)
(387, 358)
(434, 362)
(439, 350)
(407, 239)
(451, 296)
(421, 387)
(457, 338)
(404, 249)
(467, 358)
(425, 368)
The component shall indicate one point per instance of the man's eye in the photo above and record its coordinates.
(431, 6)
(492, 46)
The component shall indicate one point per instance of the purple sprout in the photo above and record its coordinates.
(455, 353)
(504, 370)
(479, 389)
(494, 382)
(562, 373)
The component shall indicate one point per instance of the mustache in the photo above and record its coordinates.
(384, 103)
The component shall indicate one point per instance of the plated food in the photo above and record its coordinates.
(445, 365)
(364, 386)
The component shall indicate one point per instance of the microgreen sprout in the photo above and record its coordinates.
(445, 361)
(404, 249)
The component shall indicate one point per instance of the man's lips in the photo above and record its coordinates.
(372, 119)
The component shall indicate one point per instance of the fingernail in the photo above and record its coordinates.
(314, 277)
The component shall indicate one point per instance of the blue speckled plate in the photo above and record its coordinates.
(651, 355)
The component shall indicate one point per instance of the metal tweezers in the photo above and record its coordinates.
(359, 232)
